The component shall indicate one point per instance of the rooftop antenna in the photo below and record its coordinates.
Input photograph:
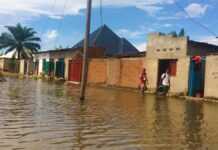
(85, 51)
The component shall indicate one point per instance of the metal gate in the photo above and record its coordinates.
(75, 70)
(197, 78)
(60, 68)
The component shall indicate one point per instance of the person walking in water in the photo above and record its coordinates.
(143, 81)
(165, 82)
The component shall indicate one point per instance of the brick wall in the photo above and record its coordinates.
(113, 72)
(97, 71)
(122, 72)
(130, 72)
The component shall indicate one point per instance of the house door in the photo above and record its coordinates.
(164, 65)
(196, 77)
(75, 70)
(60, 68)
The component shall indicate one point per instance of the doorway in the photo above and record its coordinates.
(75, 70)
(60, 68)
(164, 65)
(197, 76)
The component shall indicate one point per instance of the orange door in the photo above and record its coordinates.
(75, 70)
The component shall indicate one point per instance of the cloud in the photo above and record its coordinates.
(130, 34)
(193, 10)
(70, 7)
(49, 39)
(151, 10)
(141, 46)
(196, 10)
(51, 34)
(139, 32)
(167, 25)
(210, 40)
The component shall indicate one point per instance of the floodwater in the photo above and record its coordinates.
(39, 115)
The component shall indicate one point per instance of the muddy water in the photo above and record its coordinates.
(37, 115)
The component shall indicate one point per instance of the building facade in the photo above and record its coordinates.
(177, 54)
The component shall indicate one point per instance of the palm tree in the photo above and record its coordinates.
(20, 39)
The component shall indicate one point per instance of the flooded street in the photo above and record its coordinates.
(38, 115)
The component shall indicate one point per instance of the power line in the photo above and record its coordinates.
(195, 21)
(43, 23)
(59, 28)
(101, 12)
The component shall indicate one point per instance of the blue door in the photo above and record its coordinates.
(196, 78)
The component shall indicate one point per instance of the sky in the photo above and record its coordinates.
(61, 23)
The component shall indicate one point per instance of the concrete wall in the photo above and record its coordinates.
(40, 71)
(66, 74)
(166, 46)
(22, 66)
(179, 83)
(1, 64)
(162, 47)
(151, 66)
(211, 77)
(122, 72)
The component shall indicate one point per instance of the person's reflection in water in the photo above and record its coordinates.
(162, 124)
(193, 125)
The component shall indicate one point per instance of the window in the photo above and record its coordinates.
(177, 49)
(171, 49)
(158, 50)
(164, 49)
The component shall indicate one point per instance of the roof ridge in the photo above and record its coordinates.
(99, 31)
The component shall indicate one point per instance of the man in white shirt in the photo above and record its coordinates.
(165, 81)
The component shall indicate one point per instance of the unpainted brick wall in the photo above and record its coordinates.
(130, 72)
(122, 72)
(97, 71)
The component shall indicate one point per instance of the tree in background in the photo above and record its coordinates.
(20, 39)
(173, 33)
(182, 32)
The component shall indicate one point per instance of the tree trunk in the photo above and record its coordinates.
(19, 53)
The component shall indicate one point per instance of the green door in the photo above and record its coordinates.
(60, 68)
(48, 66)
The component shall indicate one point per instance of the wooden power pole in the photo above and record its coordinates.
(85, 51)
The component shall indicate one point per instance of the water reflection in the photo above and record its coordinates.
(40, 115)
(162, 124)
(194, 118)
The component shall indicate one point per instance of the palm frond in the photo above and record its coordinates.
(10, 49)
(32, 45)
(33, 39)
(22, 39)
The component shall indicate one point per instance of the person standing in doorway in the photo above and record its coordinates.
(143, 81)
(165, 82)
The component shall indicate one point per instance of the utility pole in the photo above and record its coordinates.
(85, 51)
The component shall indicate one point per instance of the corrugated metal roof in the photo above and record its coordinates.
(105, 38)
